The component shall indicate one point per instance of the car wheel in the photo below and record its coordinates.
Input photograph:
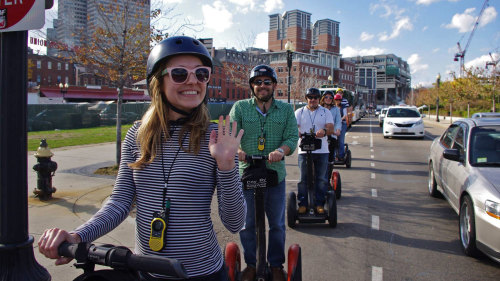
(467, 227)
(432, 184)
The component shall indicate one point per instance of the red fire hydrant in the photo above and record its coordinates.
(45, 169)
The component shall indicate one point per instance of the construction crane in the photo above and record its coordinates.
(461, 53)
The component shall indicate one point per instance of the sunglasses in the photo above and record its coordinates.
(180, 75)
(312, 97)
(328, 98)
(266, 82)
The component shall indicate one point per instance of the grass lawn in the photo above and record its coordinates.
(61, 138)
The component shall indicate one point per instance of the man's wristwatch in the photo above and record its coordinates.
(280, 150)
(325, 131)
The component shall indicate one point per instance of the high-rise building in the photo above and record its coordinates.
(325, 35)
(294, 26)
(71, 21)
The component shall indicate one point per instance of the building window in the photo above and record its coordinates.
(38, 64)
(49, 79)
(58, 78)
(49, 65)
(66, 66)
(58, 66)
(38, 78)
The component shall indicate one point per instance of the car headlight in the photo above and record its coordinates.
(390, 123)
(492, 209)
(419, 122)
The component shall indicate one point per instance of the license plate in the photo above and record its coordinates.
(404, 130)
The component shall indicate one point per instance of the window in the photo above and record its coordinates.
(459, 141)
(66, 66)
(447, 138)
(58, 66)
(49, 65)
(38, 79)
(38, 64)
(49, 79)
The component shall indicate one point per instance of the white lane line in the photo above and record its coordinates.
(377, 273)
(371, 135)
(371, 150)
(373, 176)
(372, 164)
(375, 222)
(292, 180)
(374, 192)
(372, 156)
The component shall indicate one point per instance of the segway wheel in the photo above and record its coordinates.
(336, 182)
(232, 258)
(291, 211)
(348, 159)
(332, 209)
(294, 263)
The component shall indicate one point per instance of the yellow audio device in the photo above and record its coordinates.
(157, 237)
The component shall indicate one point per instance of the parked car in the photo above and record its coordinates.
(403, 121)
(63, 118)
(485, 114)
(108, 116)
(464, 166)
(381, 116)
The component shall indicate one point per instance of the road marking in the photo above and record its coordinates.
(372, 156)
(377, 273)
(355, 143)
(371, 150)
(375, 222)
(372, 164)
(373, 176)
(374, 192)
(371, 135)
(292, 180)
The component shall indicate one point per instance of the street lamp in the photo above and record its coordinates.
(289, 51)
(438, 81)
(330, 80)
(63, 88)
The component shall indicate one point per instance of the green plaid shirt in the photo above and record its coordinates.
(279, 127)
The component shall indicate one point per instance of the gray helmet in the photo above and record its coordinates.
(262, 70)
(313, 91)
(177, 45)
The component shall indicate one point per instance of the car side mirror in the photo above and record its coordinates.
(423, 115)
(452, 154)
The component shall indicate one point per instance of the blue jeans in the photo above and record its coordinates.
(341, 140)
(274, 205)
(320, 161)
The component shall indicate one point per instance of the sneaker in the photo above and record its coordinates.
(320, 210)
(278, 274)
(302, 209)
(248, 274)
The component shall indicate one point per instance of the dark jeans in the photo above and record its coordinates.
(320, 165)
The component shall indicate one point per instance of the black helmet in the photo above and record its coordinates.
(177, 45)
(328, 93)
(262, 70)
(313, 92)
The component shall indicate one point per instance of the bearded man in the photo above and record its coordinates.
(270, 129)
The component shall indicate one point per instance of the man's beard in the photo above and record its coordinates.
(313, 106)
(265, 98)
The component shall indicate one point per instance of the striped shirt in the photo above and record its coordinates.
(192, 181)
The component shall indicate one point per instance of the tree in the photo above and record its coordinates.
(117, 45)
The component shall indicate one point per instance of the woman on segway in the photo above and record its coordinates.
(328, 103)
(343, 116)
(172, 162)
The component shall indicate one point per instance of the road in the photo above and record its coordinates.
(389, 228)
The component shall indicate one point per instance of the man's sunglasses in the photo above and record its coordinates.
(312, 97)
(180, 75)
(266, 82)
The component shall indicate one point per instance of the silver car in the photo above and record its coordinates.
(464, 166)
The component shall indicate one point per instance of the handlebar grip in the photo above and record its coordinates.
(256, 157)
(159, 265)
(73, 250)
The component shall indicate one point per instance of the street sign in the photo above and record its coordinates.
(17, 15)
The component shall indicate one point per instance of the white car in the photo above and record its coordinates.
(381, 116)
(403, 121)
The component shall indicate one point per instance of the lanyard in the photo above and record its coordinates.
(312, 119)
(166, 177)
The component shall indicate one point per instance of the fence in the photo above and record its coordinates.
(74, 116)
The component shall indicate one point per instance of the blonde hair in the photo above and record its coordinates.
(154, 124)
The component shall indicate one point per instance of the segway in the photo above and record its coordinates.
(334, 175)
(309, 143)
(258, 180)
(347, 157)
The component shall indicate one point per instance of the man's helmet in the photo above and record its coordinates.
(177, 45)
(338, 97)
(262, 70)
(313, 92)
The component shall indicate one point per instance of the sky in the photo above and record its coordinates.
(424, 33)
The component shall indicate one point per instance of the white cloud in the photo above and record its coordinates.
(171, 1)
(402, 24)
(271, 5)
(349, 51)
(428, 2)
(465, 22)
(425, 28)
(365, 36)
(217, 17)
(415, 64)
(261, 41)
(479, 62)
(435, 50)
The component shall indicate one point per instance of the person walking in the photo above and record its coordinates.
(315, 119)
(172, 163)
(270, 129)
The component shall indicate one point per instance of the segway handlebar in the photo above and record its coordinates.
(87, 254)
(258, 157)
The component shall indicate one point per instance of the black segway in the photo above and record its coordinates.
(258, 180)
(309, 143)
(347, 157)
(334, 175)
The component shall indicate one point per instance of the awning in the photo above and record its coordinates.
(94, 94)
